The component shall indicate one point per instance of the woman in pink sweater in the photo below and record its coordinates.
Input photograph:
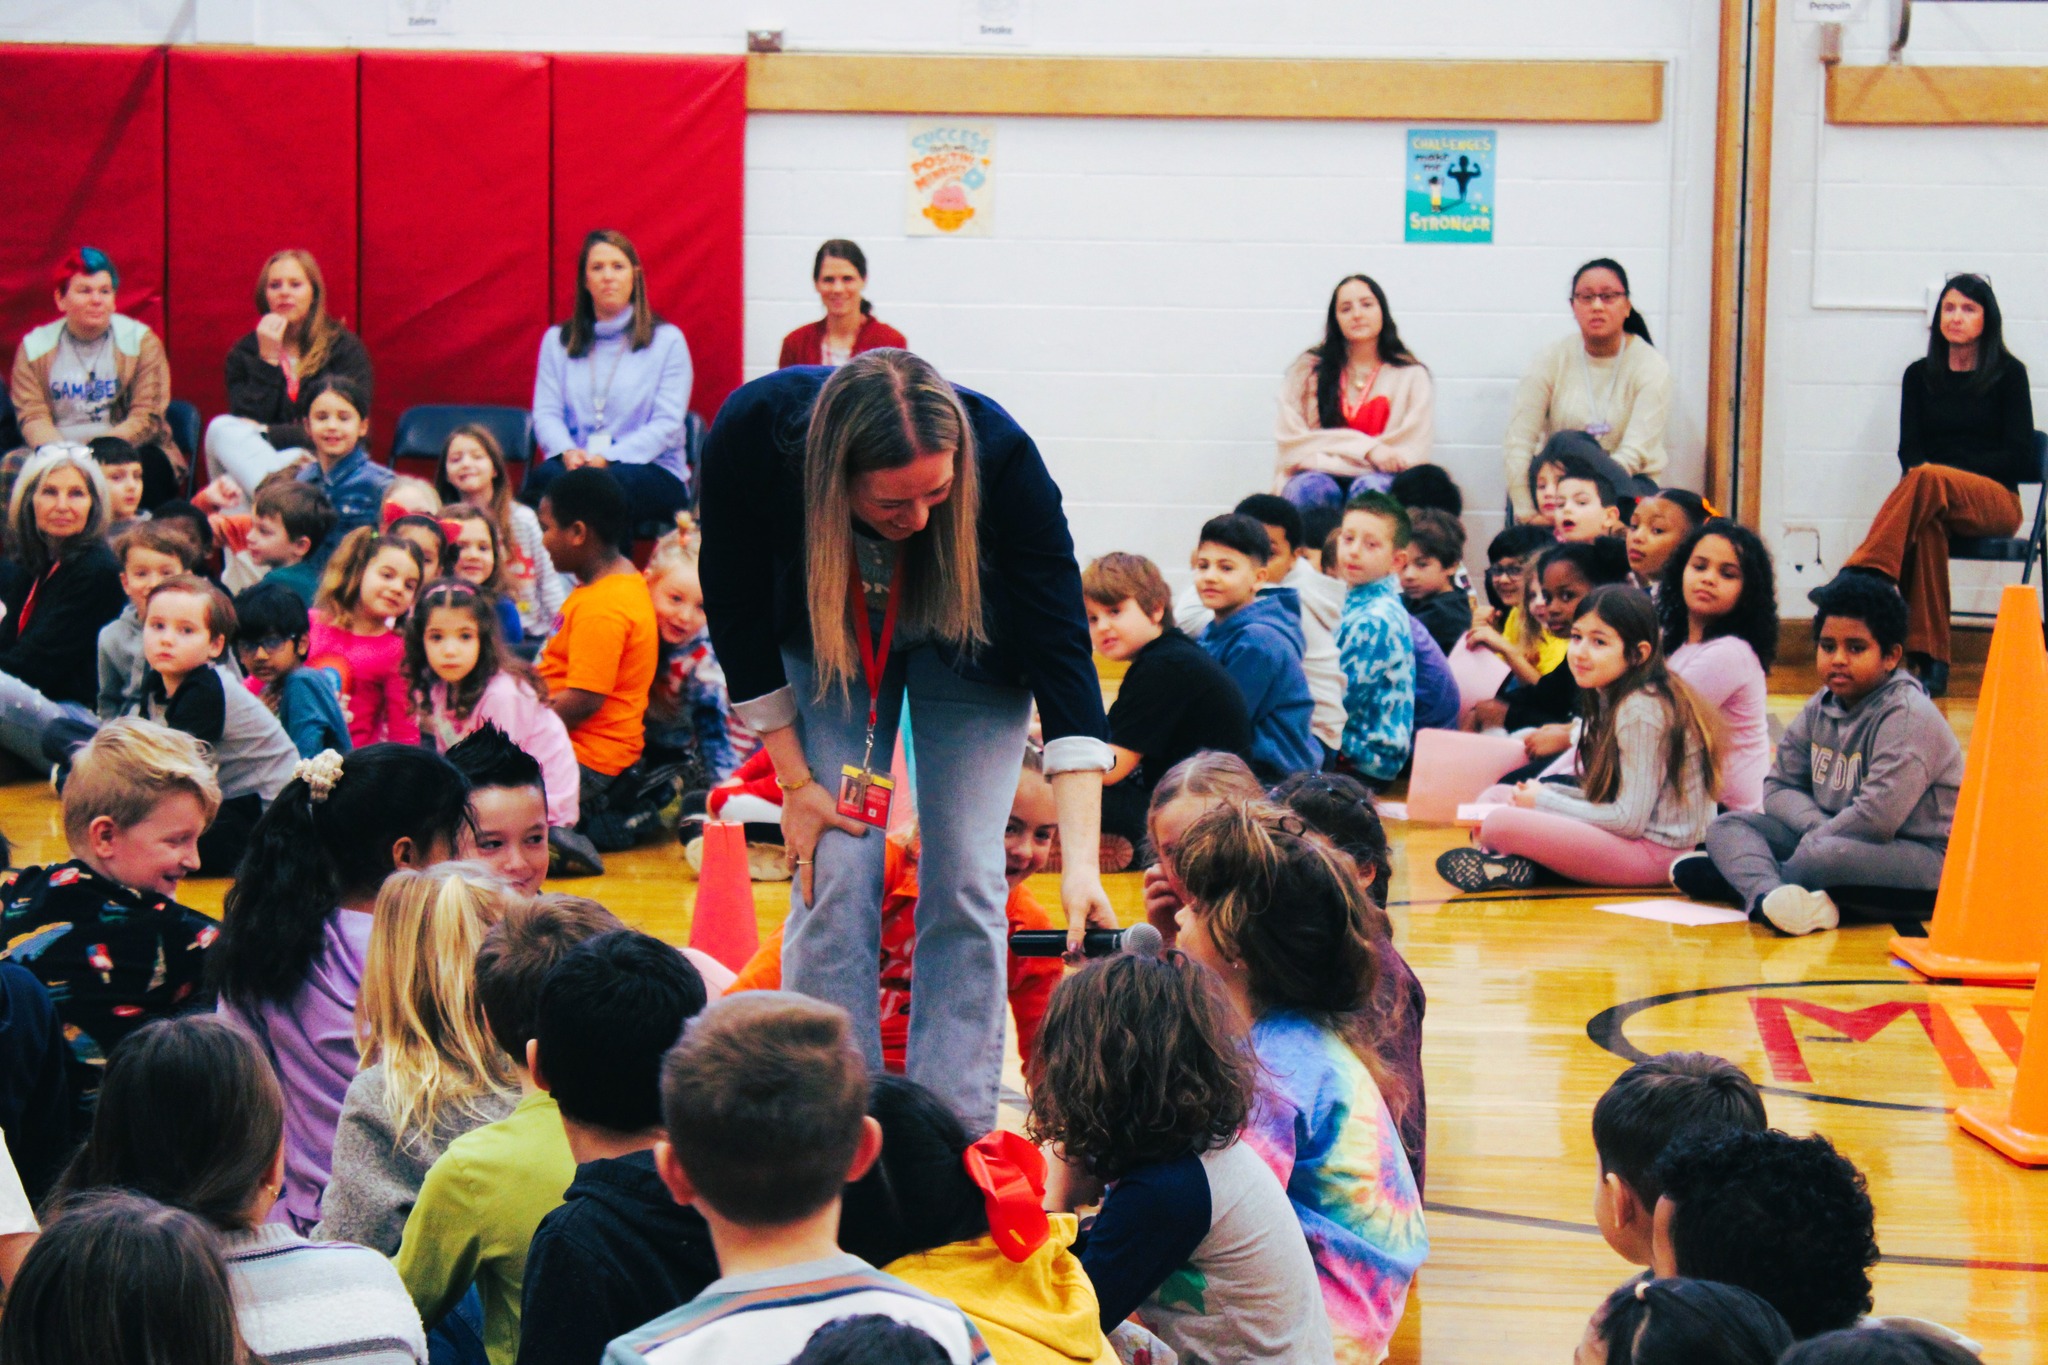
(1358, 405)
(461, 675)
(1718, 606)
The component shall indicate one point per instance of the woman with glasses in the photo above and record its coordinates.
(1966, 444)
(1603, 391)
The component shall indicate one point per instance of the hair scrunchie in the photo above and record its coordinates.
(319, 773)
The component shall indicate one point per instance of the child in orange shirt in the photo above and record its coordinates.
(1027, 846)
(600, 662)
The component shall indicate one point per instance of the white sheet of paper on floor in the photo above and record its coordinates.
(1391, 810)
(1677, 912)
(1475, 812)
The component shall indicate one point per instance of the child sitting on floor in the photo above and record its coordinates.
(1858, 804)
(508, 829)
(288, 530)
(1174, 699)
(765, 1102)
(1374, 642)
(965, 1220)
(1787, 1218)
(1636, 1120)
(483, 1199)
(1282, 919)
(1027, 848)
(1539, 710)
(104, 931)
(476, 556)
(1191, 789)
(1660, 525)
(1684, 1322)
(473, 470)
(150, 554)
(1588, 503)
(272, 626)
(1646, 765)
(1142, 1083)
(1257, 637)
(1429, 587)
(368, 586)
(185, 629)
(616, 1251)
(690, 719)
(121, 466)
(1719, 608)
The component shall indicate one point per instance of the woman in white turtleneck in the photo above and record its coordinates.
(613, 385)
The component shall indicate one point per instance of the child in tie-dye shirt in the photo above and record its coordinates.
(1280, 916)
(1374, 647)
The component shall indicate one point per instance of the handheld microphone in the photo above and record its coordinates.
(1140, 939)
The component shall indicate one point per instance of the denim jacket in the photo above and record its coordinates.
(1378, 658)
(355, 487)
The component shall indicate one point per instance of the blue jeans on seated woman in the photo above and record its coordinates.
(1312, 490)
(25, 713)
(653, 493)
(969, 738)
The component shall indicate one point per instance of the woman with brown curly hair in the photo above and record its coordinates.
(1140, 1082)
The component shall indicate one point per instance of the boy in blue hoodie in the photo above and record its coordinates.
(1858, 804)
(1257, 637)
(1374, 640)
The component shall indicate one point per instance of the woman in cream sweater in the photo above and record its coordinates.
(1358, 405)
(1607, 381)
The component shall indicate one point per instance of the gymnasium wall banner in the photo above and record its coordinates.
(1450, 185)
(951, 182)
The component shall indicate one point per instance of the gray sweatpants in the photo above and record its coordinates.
(1758, 854)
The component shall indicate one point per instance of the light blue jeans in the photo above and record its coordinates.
(1311, 490)
(23, 714)
(235, 447)
(970, 746)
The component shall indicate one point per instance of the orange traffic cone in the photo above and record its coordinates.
(2021, 1133)
(723, 923)
(1987, 923)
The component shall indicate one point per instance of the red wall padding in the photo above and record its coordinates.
(656, 148)
(262, 157)
(455, 226)
(85, 150)
(445, 195)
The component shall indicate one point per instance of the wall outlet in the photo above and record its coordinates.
(1799, 555)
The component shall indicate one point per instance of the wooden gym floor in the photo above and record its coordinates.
(1535, 1002)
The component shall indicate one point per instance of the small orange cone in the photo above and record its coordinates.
(723, 922)
(2021, 1133)
(1987, 922)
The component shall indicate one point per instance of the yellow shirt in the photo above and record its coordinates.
(1042, 1311)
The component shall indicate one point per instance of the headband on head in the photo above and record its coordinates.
(391, 513)
(452, 528)
(1010, 1173)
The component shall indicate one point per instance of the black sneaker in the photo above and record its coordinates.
(1474, 869)
(574, 855)
(1813, 594)
(1696, 876)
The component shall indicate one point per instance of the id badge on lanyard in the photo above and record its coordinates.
(865, 795)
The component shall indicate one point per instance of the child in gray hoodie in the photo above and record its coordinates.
(1858, 803)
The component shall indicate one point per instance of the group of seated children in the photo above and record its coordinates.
(1630, 667)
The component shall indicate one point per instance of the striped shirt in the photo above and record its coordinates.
(302, 1302)
(764, 1318)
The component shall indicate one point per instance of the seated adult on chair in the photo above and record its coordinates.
(1358, 405)
(96, 372)
(1966, 443)
(1606, 381)
(295, 342)
(839, 272)
(613, 386)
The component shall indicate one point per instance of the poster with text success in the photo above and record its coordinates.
(1450, 185)
(952, 180)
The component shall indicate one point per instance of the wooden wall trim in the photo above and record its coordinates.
(1938, 96)
(1724, 342)
(1749, 481)
(1209, 87)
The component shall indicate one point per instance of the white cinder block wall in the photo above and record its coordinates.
(1865, 224)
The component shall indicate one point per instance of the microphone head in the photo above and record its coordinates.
(1143, 940)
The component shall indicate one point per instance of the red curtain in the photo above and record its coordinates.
(444, 194)
(293, 116)
(656, 148)
(85, 147)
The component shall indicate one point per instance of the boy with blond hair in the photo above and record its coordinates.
(765, 1104)
(103, 931)
(1374, 642)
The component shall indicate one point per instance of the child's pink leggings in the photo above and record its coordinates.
(1574, 849)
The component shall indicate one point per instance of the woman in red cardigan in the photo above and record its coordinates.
(840, 273)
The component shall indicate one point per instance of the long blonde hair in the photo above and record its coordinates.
(418, 1011)
(881, 410)
(318, 329)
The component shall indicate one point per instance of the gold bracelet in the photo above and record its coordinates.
(796, 786)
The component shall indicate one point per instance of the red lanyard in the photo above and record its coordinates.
(28, 604)
(874, 660)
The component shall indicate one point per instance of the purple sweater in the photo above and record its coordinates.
(311, 1040)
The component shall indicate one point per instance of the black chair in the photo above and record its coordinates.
(424, 430)
(10, 430)
(2025, 551)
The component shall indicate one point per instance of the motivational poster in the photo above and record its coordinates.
(1450, 185)
(952, 185)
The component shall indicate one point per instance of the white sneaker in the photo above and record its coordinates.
(1795, 910)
